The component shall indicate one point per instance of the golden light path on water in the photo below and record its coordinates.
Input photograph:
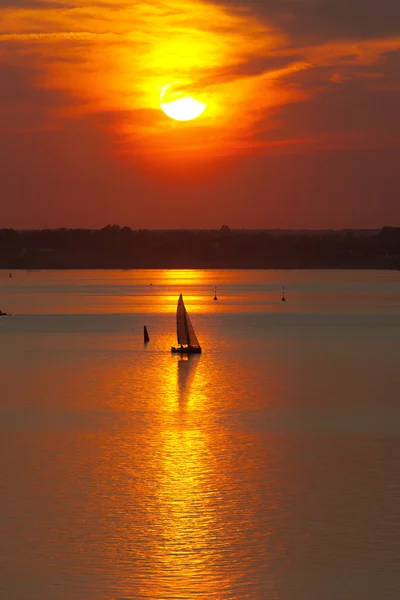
(175, 491)
(190, 486)
(246, 472)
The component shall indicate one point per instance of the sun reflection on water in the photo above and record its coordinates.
(137, 474)
(188, 551)
(189, 486)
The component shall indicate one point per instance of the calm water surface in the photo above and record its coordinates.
(266, 468)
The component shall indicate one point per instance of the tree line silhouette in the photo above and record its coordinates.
(122, 247)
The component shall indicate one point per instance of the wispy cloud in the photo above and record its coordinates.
(271, 73)
(316, 21)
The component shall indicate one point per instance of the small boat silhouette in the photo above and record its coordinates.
(215, 297)
(283, 299)
(187, 339)
(145, 334)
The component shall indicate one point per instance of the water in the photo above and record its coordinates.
(267, 467)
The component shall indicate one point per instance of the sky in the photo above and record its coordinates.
(301, 127)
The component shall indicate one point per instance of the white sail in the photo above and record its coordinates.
(184, 328)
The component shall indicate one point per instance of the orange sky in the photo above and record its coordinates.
(301, 129)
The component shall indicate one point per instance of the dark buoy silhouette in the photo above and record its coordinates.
(145, 334)
(215, 297)
(283, 299)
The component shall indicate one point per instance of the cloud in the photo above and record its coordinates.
(390, 66)
(117, 62)
(265, 70)
(24, 106)
(35, 4)
(345, 106)
(314, 21)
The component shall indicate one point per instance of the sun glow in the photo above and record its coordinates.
(187, 59)
(230, 69)
(179, 105)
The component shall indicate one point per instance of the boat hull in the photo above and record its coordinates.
(186, 350)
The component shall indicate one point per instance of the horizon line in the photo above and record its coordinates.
(225, 229)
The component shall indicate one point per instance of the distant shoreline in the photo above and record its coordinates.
(199, 268)
(115, 247)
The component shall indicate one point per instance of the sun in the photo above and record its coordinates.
(185, 109)
(179, 105)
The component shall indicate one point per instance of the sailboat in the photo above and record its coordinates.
(145, 334)
(187, 339)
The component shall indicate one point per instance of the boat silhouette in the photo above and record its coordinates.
(187, 339)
